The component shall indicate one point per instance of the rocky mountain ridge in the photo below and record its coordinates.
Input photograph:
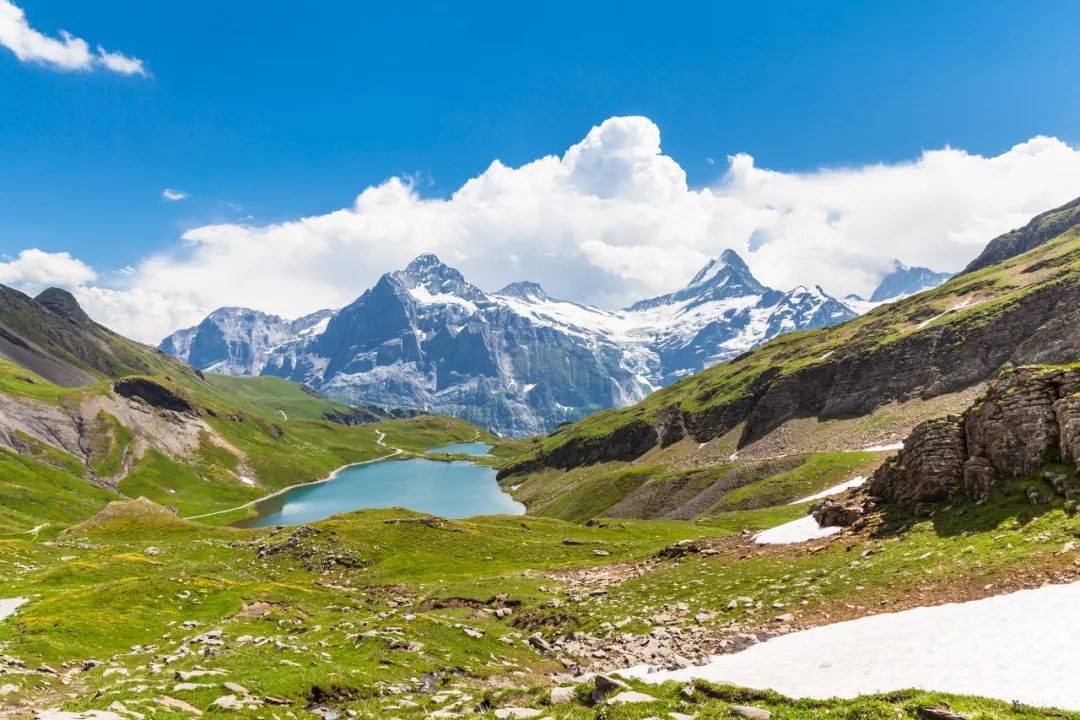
(51, 335)
(1042, 228)
(517, 361)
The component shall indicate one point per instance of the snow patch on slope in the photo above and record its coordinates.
(1013, 647)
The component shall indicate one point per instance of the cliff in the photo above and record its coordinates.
(1029, 417)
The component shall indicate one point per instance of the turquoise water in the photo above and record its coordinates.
(473, 448)
(448, 489)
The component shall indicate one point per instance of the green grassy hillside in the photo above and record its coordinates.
(258, 435)
(331, 615)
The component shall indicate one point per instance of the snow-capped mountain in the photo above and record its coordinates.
(517, 361)
(236, 341)
(901, 282)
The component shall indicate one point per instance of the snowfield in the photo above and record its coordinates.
(796, 531)
(1016, 647)
(9, 606)
(854, 482)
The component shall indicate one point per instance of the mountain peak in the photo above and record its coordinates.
(524, 290)
(424, 263)
(427, 271)
(63, 304)
(902, 281)
(431, 272)
(724, 277)
(728, 259)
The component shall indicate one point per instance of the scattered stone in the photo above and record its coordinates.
(186, 675)
(628, 697)
(517, 712)
(604, 685)
(539, 643)
(228, 702)
(171, 703)
(236, 688)
(940, 714)
(749, 713)
(562, 695)
(600, 553)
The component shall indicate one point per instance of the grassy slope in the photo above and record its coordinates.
(99, 591)
(657, 489)
(247, 412)
(988, 292)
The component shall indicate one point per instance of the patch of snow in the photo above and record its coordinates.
(1013, 647)
(247, 481)
(317, 329)
(883, 448)
(861, 307)
(826, 355)
(9, 606)
(854, 482)
(796, 531)
(965, 303)
(424, 296)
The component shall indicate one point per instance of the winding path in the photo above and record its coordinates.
(380, 441)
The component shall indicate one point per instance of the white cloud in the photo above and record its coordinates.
(609, 221)
(64, 53)
(120, 63)
(173, 195)
(34, 270)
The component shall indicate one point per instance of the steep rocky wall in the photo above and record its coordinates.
(1028, 417)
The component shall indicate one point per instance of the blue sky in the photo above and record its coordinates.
(276, 111)
(271, 111)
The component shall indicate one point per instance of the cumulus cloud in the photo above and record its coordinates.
(34, 270)
(64, 53)
(609, 221)
(173, 195)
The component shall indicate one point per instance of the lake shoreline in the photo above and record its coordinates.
(397, 453)
(463, 457)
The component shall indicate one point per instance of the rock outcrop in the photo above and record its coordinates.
(1041, 229)
(1029, 417)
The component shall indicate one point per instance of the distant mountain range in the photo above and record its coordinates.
(516, 361)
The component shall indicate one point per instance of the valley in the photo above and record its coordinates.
(176, 543)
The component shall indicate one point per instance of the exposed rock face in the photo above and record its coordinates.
(1042, 228)
(843, 511)
(153, 394)
(928, 468)
(237, 341)
(52, 336)
(1027, 418)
